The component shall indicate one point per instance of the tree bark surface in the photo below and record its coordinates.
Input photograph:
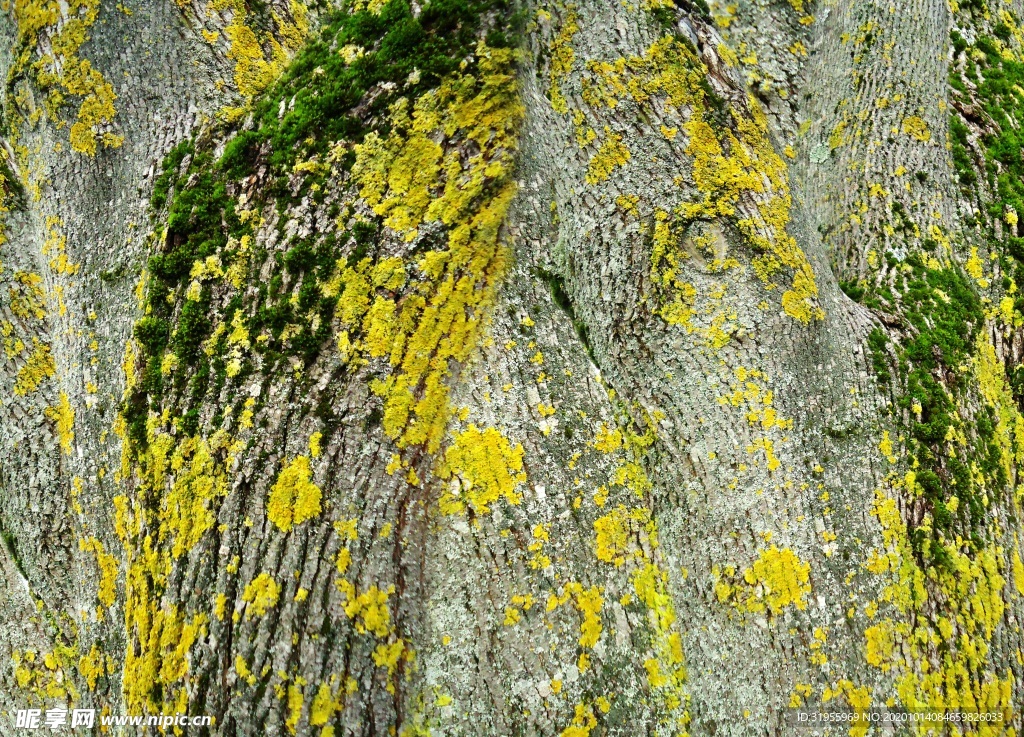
(589, 368)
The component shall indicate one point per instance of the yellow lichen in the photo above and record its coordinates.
(562, 58)
(168, 638)
(880, 642)
(260, 56)
(612, 533)
(666, 670)
(57, 30)
(185, 511)
(409, 180)
(886, 447)
(38, 368)
(63, 415)
(178, 478)
(28, 299)
(736, 171)
(91, 666)
(488, 468)
(777, 579)
(589, 602)
(108, 569)
(583, 722)
(295, 702)
(974, 268)
(294, 498)
(857, 697)
(262, 594)
(369, 609)
(46, 676)
(324, 706)
(916, 128)
(1018, 571)
(971, 587)
(612, 154)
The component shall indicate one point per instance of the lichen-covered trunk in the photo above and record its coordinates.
(494, 368)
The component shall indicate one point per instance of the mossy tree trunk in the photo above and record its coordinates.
(477, 368)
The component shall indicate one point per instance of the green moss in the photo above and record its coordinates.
(997, 79)
(11, 543)
(338, 89)
(194, 325)
(943, 316)
(878, 344)
(411, 52)
(190, 422)
(135, 410)
(169, 171)
(299, 257)
(852, 289)
(959, 44)
(13, 195)
(665, 17)
(556, 284)
(947, 312)
(152, 333)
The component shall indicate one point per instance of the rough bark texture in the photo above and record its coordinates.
(477, 369)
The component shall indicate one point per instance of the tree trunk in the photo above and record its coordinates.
(486, 369)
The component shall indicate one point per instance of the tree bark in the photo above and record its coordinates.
(574, 369)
